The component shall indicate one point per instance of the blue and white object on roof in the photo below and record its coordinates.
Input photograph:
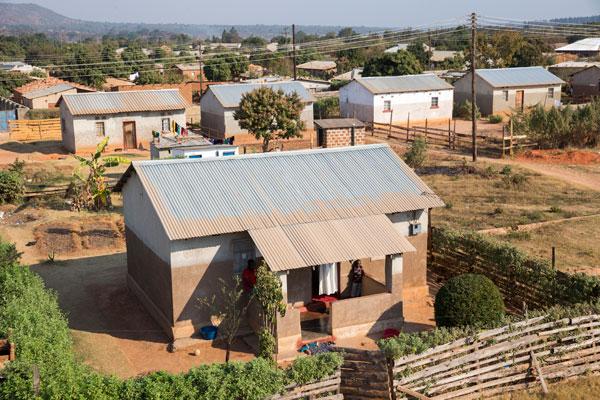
(518, 77)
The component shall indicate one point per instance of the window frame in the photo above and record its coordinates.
(437, 102)
(242, 251)
(162, 124)
(387, 106)
(98, 124)
(506, 95)
(551, 92)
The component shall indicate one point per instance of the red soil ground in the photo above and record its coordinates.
(571, 157)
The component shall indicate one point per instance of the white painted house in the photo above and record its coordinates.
(397, 99)
(128, 118)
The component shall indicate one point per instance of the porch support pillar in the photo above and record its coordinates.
(284, 287)
(393, 274)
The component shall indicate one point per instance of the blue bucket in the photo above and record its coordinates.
(208, 332)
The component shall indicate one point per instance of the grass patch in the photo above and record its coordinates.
(578, 389)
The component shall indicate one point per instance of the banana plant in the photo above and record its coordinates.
(92, 191)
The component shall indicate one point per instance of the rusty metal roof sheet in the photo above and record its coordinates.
(123, 102)
(404, 83)
(317, 65)
(300, 245)
(337, 123)
(195, 198)
(230, 95)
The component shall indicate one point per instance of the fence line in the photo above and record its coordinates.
(514, 357)
(37, 129)
(324, 389)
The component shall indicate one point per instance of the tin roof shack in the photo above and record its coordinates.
(307, 213)
(397, 99)
(319, 69)
(505, 90)
(192, 146)
(586, 83)
(45, 93)
(219, 102)
(128, 118)
(566, 70)
(339, 132)
(589, 47)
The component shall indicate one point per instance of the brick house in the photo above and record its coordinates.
(45, 93)
(339, 132)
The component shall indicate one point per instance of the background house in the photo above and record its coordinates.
(307, 213)
(505, 90)
(190, 71)
(589, 47)
(319, 69)
(339, 132)
(46, 93)
(397, 98)
(128, 118)
(586, 83)
(565, 70)
(219, 103)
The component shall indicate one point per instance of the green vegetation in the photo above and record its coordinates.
(464, 110)
(12, 183)
(469, 300)
(225, 67)
(416, 155)
(392, 64)
(42, 338)
(268, 294)
(495, 119)
(559, 128)
(327, 107)
(270, 115)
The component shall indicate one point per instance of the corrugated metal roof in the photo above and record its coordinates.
(122, 102)
(336, 123)
(34, 94)
(296, 246)
(230, 95)
(518, 77)
(317, 65)
(404, 83)
(196, 198)
(588, 44)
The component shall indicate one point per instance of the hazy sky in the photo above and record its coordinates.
(384, 13)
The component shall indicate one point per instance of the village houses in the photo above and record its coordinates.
(309, 214)
(45, 93)
(505, 90)
(127, 118)
(397, 99)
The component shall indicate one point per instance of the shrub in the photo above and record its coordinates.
(12, 183)
(309, 369)
(327, 107)
(469, 300)
(488, 173)
(464, 110)
(514, 181)
(495, 119)
(555, 209)
(506, 170)
(417, 154)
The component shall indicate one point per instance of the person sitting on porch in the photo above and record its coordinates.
(249, 276)
(356, 278)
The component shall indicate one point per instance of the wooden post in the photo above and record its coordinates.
(553, 257)
(425, 130)
(412, 393)
(407, 127)
(454, 136)
(391, 119)
(536, 366)
(511, 138)
(473, 83)
(503, 141)
(449, 134)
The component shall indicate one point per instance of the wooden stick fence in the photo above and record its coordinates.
(523, 355)
(325, 389)
(25, 130)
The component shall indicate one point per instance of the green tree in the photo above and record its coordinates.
(231, 36)
(11, 80)
(270, 114)
(269, 296)
(230, 309)
(417, 154)
(417, 49)
(225, 67)
(392, 64)
(254, 41)
(345, 32)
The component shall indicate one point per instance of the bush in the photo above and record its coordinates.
(417, 154)
(327, 107)
(464, 110)
(515, 181)
(495, 119)
(506, 170)
(12, 183)
(469, 300)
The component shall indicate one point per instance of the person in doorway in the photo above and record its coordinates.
(249, 276)
(356, 277)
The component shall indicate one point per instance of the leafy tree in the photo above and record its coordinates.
(392, 64)
(12, 183)
(345, 32)
(469, 300)
(270, 114)
(254, 41)
(327, 107)
(230, 308)
(269, 296)
(417, 49)
(134, 58)
(225, 67)
(80, 65)
(231, 36)
(281, 39)
(11, 80)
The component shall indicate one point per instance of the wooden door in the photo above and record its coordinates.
(519, 100)
(129, 139)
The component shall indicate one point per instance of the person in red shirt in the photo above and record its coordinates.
(249, 276)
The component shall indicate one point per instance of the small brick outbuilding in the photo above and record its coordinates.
(339, 132)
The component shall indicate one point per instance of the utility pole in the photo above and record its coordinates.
(294, 49)
(200, 74)
(473, 91)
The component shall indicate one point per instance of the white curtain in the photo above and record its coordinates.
(328, 279)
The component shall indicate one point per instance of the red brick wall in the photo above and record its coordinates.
(342, 137)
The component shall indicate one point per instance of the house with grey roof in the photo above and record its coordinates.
(127, 118)
(47, 97)
(309, 215)
(398, 99)
(588, 47)
(505, 90)
(219, 102)
(586, 83)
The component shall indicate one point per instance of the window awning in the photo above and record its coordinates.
(302, 245)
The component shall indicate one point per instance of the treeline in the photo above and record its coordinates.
(561, 127)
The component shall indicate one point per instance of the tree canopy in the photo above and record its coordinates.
(225, 67)
(392, 64)
(270, 115)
